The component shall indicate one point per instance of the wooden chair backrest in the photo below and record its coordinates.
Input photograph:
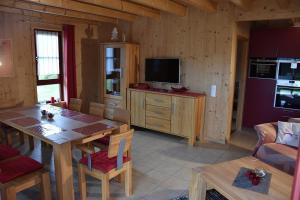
(115, 141)
(121, 115)
(123, 128)
(75, 104)
(96, 109)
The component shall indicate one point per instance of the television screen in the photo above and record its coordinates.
(162, 70)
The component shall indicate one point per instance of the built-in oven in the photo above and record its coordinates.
(287, 97)
(262, 68)
(288, 69)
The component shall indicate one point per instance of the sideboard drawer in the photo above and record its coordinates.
(113, 103)
(158, 112)
(159, 100)
(162, 125)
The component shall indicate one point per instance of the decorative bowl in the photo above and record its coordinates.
(50, 115)
(181, 89)
(44, 112)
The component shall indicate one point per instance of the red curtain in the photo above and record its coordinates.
(70, 89)
(296, 188)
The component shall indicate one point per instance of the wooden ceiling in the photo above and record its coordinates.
(113, 10)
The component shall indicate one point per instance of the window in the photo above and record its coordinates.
(49, 65)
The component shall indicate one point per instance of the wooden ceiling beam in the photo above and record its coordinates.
(164, 5)
(125, 6)
(245, 4)
(204, 5)
(86, 8)
(17, 6)
(283, 3)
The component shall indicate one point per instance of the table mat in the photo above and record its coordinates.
(26, 121)
(87, 118)
(69, 113)
(46, 129)
(10, 115)
(91, 129)
(242, 181)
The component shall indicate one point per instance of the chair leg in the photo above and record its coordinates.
(21, 138)
(128, 179)
(9, 193)
(31, 142)
(45, 186)
(9, 139)
(105, 187)
(81, 182)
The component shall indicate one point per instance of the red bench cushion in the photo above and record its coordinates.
(105, 140)
(101, 162)
(18, 167)
(7, 152)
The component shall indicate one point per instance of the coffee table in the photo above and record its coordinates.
(221, 176)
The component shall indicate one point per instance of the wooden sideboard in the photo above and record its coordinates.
(180, 114)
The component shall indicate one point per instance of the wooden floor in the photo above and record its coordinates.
(245, 139)
(162, 166)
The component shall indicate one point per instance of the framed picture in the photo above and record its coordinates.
(6, 63)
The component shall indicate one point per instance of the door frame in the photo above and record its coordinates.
(243, 79)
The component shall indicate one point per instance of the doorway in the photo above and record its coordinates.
(240, 136)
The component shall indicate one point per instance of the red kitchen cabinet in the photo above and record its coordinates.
(263, 43)
(275, 43)
(289, 43)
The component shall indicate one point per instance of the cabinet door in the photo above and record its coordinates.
(264, 43)
(137, 108)
(183, 118)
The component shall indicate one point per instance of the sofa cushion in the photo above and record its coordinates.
(280, 156)
(288, 133)
(11, 169)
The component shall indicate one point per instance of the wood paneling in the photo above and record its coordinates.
(18, 27)
(205, 53)
(165, 5)
(206, 45)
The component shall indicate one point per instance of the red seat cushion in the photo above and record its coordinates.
(105, 140)
(100, 161)
(7, 152)
(18, 167)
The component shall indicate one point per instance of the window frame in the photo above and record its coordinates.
(60, 79)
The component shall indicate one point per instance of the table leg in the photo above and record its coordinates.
(198, 187)
(63, 171)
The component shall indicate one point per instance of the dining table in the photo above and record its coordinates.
(66, 129)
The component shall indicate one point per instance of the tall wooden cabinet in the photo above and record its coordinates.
(180, 114)
(119, 66)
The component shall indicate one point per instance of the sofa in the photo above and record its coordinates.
(280, 156)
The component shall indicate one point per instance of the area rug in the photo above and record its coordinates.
(210, 195)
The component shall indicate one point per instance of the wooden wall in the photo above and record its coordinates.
(22, 87)
(206, 44)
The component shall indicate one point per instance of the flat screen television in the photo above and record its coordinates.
(162, 70)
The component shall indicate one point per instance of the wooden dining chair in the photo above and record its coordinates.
(8, 132)
(107, 164)
(7, 152)
(119, 115)
(96, 109)
(75, 104)
(20, 173)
